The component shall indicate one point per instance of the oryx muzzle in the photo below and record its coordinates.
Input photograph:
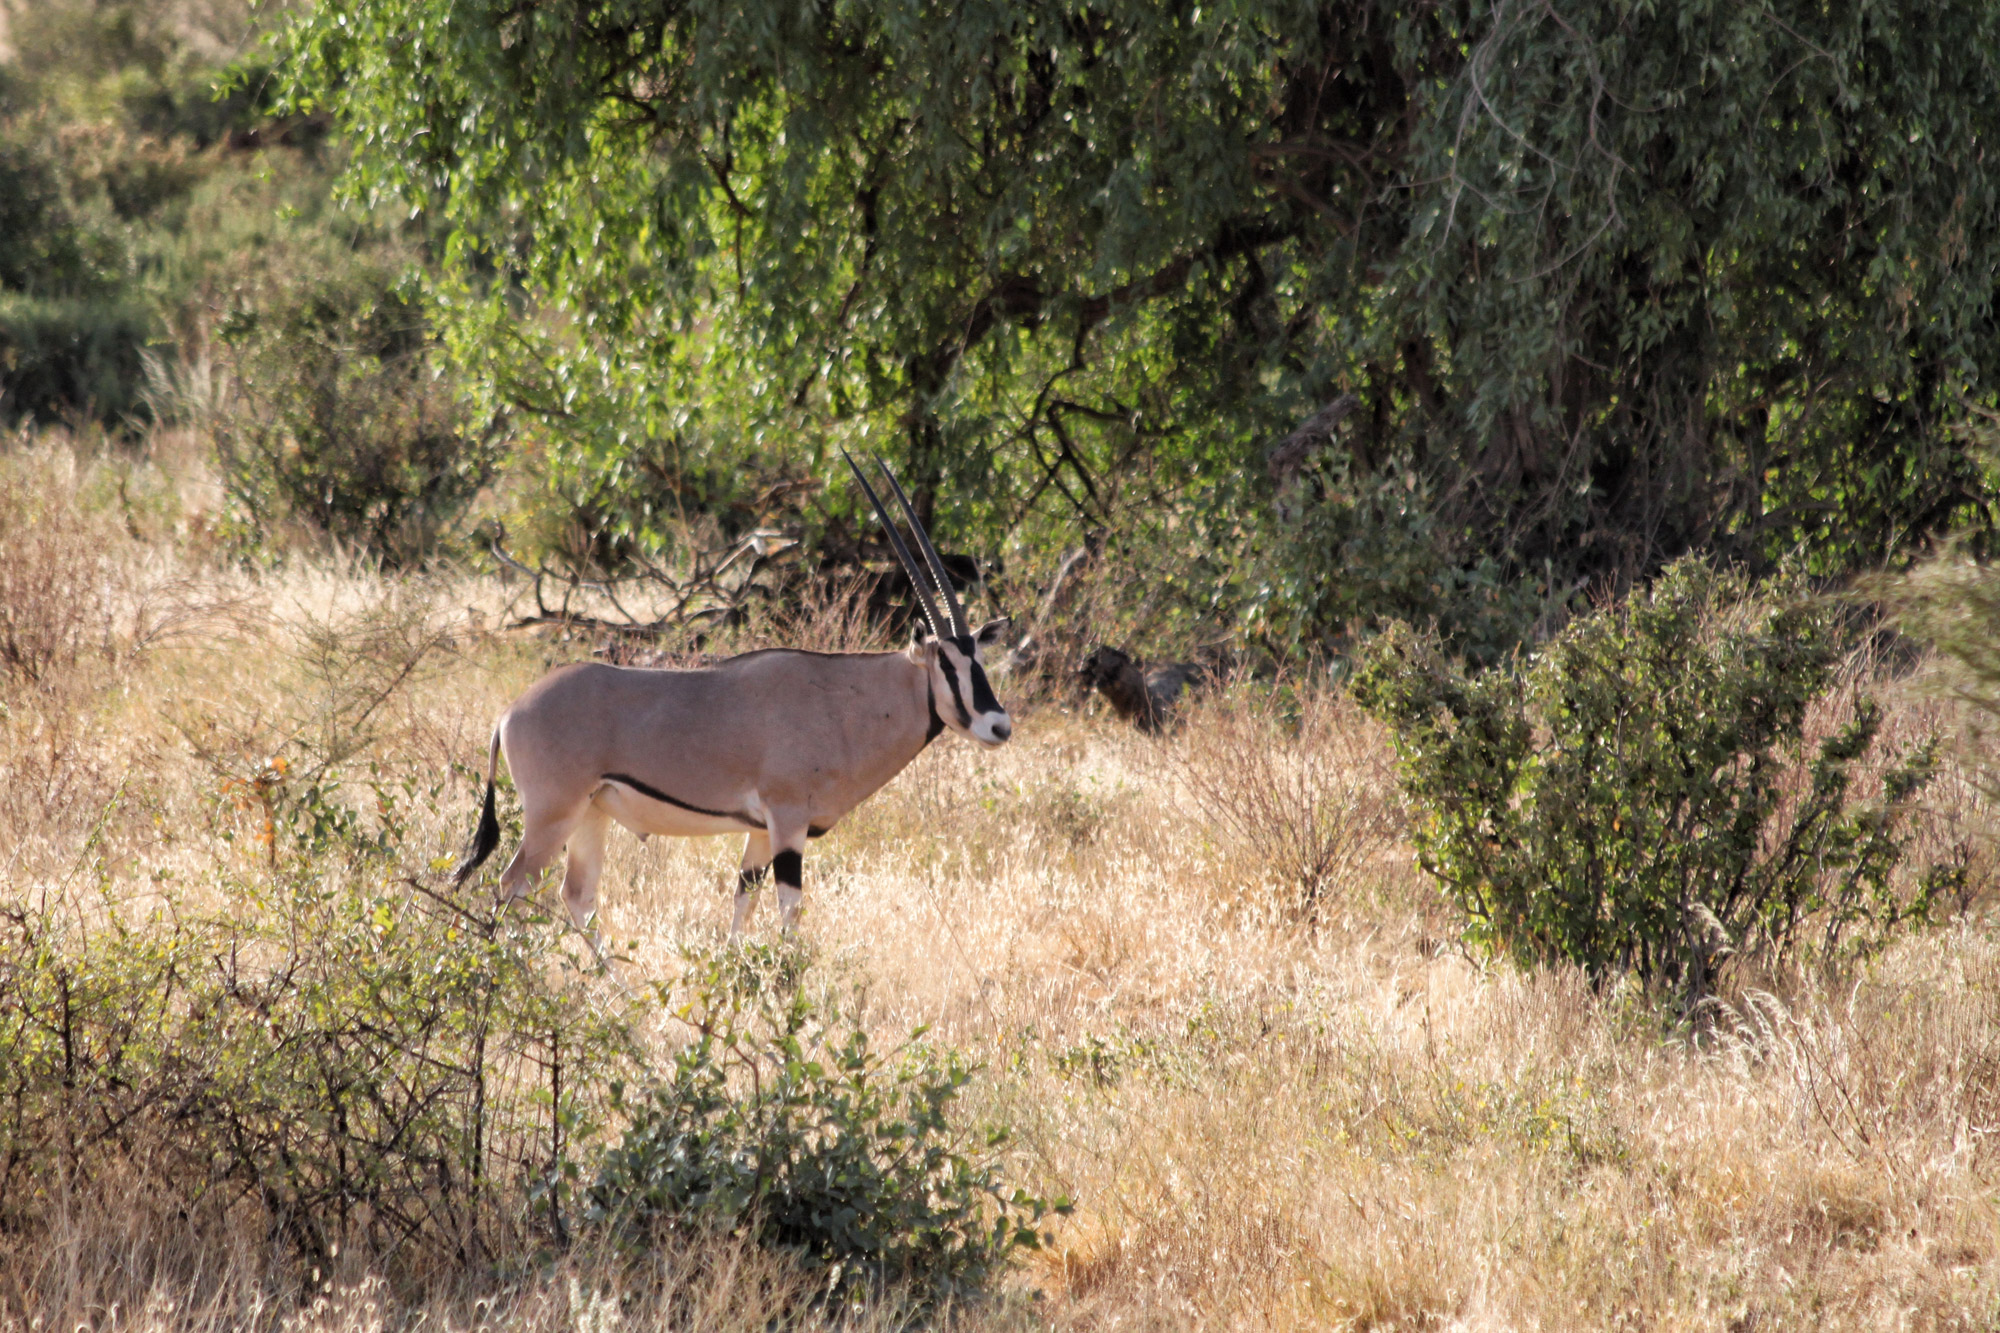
(778, 744)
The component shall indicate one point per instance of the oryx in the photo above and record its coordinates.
(778, 744)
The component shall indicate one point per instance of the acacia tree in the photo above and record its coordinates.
(1604, 282)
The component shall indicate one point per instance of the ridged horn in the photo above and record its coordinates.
(924, 602)
(958, 626)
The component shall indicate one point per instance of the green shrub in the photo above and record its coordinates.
(1641, 796)
(144, 67)
(47, 246)
(72, 323)
(342, 423)
(1337, 553)
(778, 1121)
(366, 1067)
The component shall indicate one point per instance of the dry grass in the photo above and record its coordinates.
(1297, 782)
(1263, 1126)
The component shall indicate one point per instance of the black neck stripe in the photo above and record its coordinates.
(645, 789)
(930, 705)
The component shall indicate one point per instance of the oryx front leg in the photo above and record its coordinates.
(788, 868)
(749, 875)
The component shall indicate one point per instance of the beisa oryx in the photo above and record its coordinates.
(778, 744)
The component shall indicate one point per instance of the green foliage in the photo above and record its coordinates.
(366, 1066)
(46, 248)
(60, 358)
(1642, 796)
(112, 163)
(1356, 548)
(1608, 284)
(779, 1122)
(342, 423)
(146, 67)
(71, 340)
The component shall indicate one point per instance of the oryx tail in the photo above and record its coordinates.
(487, 836)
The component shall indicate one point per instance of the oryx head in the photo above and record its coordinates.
(953, 653)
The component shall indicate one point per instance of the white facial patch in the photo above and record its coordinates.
(975, 709)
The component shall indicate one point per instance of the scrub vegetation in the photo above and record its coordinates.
(1259, 1059)
(1555, 441)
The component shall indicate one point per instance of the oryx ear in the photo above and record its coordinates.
(923, 650)
(993, 631)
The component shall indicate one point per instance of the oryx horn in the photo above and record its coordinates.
(958, 625)
(940, 627)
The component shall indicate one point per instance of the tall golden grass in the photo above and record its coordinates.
(1220, 1007)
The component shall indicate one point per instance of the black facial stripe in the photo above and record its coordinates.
(788, 867)
(749, 878)
(645, 790)
(813, 831)
(982, 691)
(951, 683)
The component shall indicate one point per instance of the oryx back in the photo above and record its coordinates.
(717, 749)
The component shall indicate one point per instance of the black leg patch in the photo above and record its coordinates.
(750, 878)
(789, 868)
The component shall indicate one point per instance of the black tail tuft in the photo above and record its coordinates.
(483, 841)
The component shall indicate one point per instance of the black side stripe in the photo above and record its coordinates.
(646, 790)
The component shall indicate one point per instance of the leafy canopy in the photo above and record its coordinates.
(1608, 281)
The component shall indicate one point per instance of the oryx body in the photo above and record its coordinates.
(778, 745)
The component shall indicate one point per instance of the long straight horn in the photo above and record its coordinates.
(924, 602)
(958, 627)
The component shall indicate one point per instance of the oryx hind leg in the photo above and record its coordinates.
(749, 877)
(543, 834)
(585, 868)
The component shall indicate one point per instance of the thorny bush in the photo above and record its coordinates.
(1294, 778)
(320, 1043)
(1641, 797)
(59, 581)
(368, 1067)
